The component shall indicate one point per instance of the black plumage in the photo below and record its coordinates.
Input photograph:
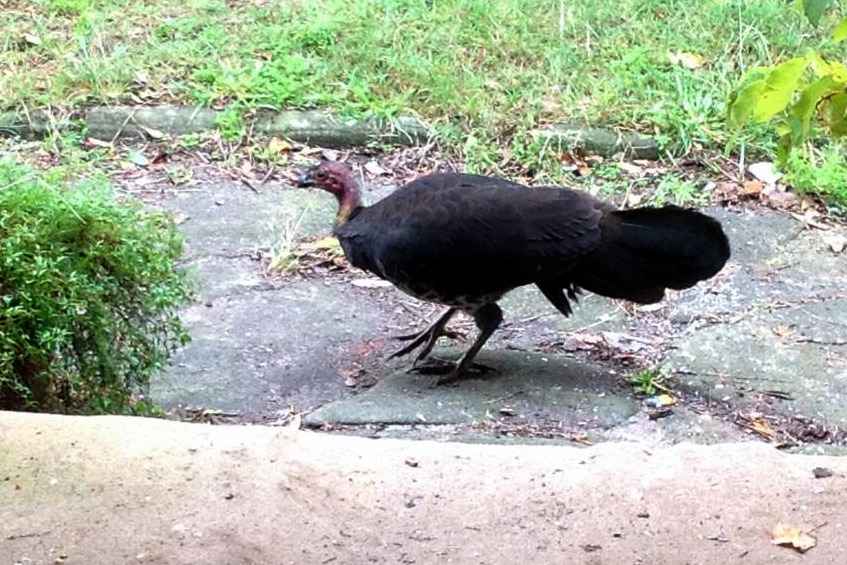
(466, 240)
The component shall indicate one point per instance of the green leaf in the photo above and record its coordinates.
(804, 108)
(833, 112)
(744, 102)
(814, 9)
(840, 33)
(137, 158)
(780, 88)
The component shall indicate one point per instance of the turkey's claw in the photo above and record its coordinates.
(427, 338)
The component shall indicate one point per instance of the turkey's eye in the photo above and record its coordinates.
(320, 175)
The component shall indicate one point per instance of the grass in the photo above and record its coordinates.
(484, 72)
(820, 171)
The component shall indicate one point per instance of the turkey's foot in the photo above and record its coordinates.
(449, 371)
(425, 333)
(427, 338)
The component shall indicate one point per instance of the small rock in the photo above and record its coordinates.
(836, 242)
(591, 547)
(329, 154)
(412, 462)
(821, 472)
(765, 172)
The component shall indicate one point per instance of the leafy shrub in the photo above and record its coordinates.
(88, 292)
(797, 94)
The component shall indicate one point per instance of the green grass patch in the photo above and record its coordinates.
(483, 72)
(820, 172)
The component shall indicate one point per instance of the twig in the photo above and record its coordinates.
(248, 184)
(506, 397)
(36, 535)
(129, 116)
(820, 341)
(821, 525)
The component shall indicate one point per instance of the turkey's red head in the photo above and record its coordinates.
(336, 178)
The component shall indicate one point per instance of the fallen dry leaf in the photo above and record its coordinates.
(330, 154)
(687, 60)
(782, 331)
(660, 401)
(550, 106)
(351, 376)
(94, 142)
(751, 188)
(761, 427)
(329, 242)
(809, 218)
(756, 423)
(666, 400)
(375, 168)
(278, 145)
(153, 133)
(371, 283)
(630, 169)
(367, 348)
(791, 536)
(310, 151)
(575, 164)
(782, 200)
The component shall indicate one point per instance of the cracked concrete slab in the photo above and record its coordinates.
(265, 348)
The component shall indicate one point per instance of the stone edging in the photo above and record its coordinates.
(316, 127)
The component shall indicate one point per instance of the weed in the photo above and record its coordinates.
(283, 259)
(675, 190)
(650, 381)
(231, 123)
(819, 171)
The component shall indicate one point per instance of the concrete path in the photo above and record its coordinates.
(763, 342)
(109, 490)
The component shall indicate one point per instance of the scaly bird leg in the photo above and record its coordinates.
(488, 319)
(428, 337)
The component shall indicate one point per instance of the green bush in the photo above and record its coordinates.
(88, 292)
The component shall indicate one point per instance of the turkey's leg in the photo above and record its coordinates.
(488, 319)
(428, 337)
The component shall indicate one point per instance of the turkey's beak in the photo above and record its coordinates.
(305, 180)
